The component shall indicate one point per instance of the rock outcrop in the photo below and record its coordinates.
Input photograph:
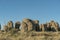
(33, 25)
(17, 25)
(10, 25)
(36, 25)
(5, 28)
(0, 26)
(54, 26)
(51, 26)
(24, 27)
(29, 24)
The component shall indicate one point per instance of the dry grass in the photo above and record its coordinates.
(30, 36)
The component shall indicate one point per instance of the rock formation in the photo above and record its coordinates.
(0, 26)
(10, 25)
(54, 26)
(36, 25)
(51, 26)
(24, 27)
(33, 25)
(42, 27)
(17, 25)
(48, 27)
(5, 28)
(29, 24)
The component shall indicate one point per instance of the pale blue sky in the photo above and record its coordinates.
(42, 10)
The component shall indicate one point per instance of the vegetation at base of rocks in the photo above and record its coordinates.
(30, 36)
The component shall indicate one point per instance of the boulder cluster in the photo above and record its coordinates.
(32, 25)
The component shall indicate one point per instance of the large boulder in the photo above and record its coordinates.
(42, 27)
(24, 27)
(10, 25)
(49, 27)
(17, 25)
(29, 24)
(54, 26)
(0, 26)
(45, 27)
(36, 25)
(5, 28)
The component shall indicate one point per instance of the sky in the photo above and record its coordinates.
(17, 10)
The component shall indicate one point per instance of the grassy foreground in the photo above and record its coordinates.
(29, 35)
